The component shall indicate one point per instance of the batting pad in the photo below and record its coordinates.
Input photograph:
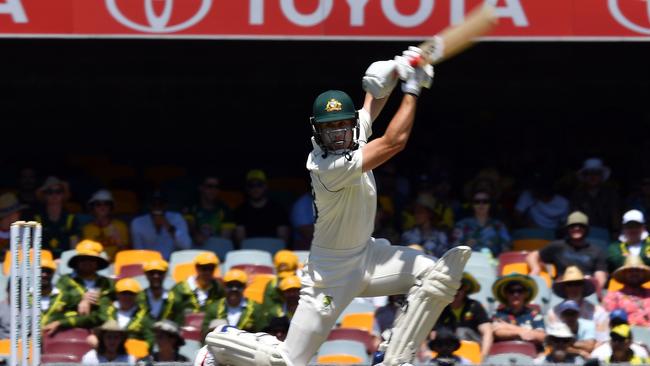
(231, 346)
(435, 288)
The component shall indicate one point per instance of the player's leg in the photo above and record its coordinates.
(431, 285)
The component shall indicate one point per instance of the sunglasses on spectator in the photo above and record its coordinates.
(617, 338)
(481, 201)
(237, 288)
(517, 290)
(54, 191)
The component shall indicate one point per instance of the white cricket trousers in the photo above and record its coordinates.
(332, 278)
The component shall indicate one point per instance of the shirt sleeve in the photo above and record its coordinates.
(480, 314)
(601, 261)
(524, 202)
(589, 331)
(302, 212)
(136, 236)
(365, 124)
(181, 234)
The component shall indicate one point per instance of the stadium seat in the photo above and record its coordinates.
(126, 202)
(510, 359)
(480, 263)
(220, 246)
(295, 185)
(484, 296)
(510, 262)
(194, 320)
(256, 286)
(182, 271)
(254, 269)
(191, 333)
(74, 347)
(363, 321)
(3, 285)
(6, 265)
(108, 271)
(131, 270)
(137, 348)
(74, 334)
(190, 348)
(600, 233)
(470, 351)
(533, 233)
(142, 281)
(158, 174)
(518, 347)
(271, 245)
(59, 358)
(641, 334)
(340, 360)
(134, 256)
(352, 334)
(543, 297)
(356, 307)
(232, 198)
(247, 256)
(110, 173)
(529, 244)
(184, 256)
(343, 347)
(5, 347)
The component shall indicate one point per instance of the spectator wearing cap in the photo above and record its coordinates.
(540, 206)
(161, 230)
(210, 216)
(443, 214)
(111, 232)
(634, 241)
(559, 339)
(444, 345)
(584, 330)
(52, 299)
(302, 221)
(156, 298)
(480, 231)
(168, 341)
(10, 210)
(286, 264)
(468, 317)
(516, 318)
(574, 286)
(83, 289)
(633, 297)
(110, 347)
(425, 232)
(289, 289)
(278, 327)
(235, 308)
(596, 199)
(128, 312)
(260, 216)
(574, 250)
(60, 228)
(622, 352)
(604, 351)
(197, 292)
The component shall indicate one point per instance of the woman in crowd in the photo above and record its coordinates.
(111, 347)
(425, 232)
(633, 297)
(111, 232)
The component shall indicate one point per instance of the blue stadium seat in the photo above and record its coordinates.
(509, 359)
(543, 298)
(484, 296)
(601, 233)
(271, 245)
(220, 246)
(641, 334)
(533, 233)
(347, 347)
(481, 263)
(356, 307)
(247, 256)
(183, 256)
(190, 348)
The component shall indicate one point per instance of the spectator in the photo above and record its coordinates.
(442, 214)
(604, 351)
(10, 210)
(622, 352)
(169, 341)
(633, 297)
(111, 232)
(27, 184)
(302, 222)
(559, 339)
(385, 315)
(259, 216)
(584, 330)
(384, 227)
(111, 347)
(468, 317)
(197, 292)
(129, 314)
(641, 200)
(210, 216)
(235, 308)
(634, 241)
(156, 298)
(286, 265)
(60, 228)
(83, 289)
(574, 250)
(480, 231)
(5, 314)
(444, 345)
(540, 206)
(516, 318)
(161, 230)
(289, 289)
(425, 233)
(594, 198)
(278, 327)
(574, 286)
(52, 299)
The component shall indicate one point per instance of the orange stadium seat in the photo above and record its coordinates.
(134, 256)
(6, 265)
(126, 202)
(232, 198)
(339, 360)
(137, 348)
(363, 321)
(182, 271)
(508, 258)
(529, 244)
(256, 286)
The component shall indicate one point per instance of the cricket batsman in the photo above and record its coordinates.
(345, 261)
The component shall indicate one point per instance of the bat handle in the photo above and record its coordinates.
(416, 61)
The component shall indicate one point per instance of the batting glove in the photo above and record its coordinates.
(422, 77)
(380, 79)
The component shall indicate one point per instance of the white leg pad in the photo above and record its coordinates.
(435, 288)
(231, 346)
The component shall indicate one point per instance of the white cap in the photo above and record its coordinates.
(559, 330)
(101, 195)
(633, 216)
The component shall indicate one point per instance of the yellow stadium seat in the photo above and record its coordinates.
(468, 350)
(126, 202)
(339, 359)
(520, 267)
(6, 266)
(5, 347)
(182, 271)
(134, 256)
(363, 321)
(529, 244)
(256, 286)
(137, 348)
(232, 198)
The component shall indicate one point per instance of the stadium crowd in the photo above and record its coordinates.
(560, 271)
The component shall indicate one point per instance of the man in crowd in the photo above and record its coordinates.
(158, 300)
(584, 330)
(209, 216)
(634, 241)
(558, 340)
(593, 197)
(111, 232)
(60, 228)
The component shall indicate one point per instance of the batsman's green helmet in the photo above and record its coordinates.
(333, 105)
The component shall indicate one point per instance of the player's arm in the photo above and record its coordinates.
(374, 106)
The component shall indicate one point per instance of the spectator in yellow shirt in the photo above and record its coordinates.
(111, 232)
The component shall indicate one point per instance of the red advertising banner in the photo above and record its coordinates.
(320, 19)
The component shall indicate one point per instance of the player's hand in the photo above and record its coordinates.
(405, 62)
(380, 78)
(84, 307)
(421, 78)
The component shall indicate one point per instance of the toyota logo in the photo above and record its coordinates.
(615, 9)
(158, 23)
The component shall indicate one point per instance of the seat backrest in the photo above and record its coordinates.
(131, 270)
(508, 347)
(183, 256)
(256, 286)
(509, 268)
(134, 256)
(480, 263)
(220, 246)
(6, 265)
(194, 320)
(343, 347)
(507, 258)
(232, 198)
(191, 333)
(254, 269)
(74, 347)
(484, 296)
(76, 334)
(59, 358)
(247, 256)
(529, 244)
(356, 307)
(641, 334)
(509, 359)
(126, 202)
(271, 245)
(533, 233)
(137, 348)
(63, 268)
(190, 348)
(340, 360)
(303, 255)
(597, 232)
(352, 334)
(469, 350)
(543, 297)
(363, 321)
